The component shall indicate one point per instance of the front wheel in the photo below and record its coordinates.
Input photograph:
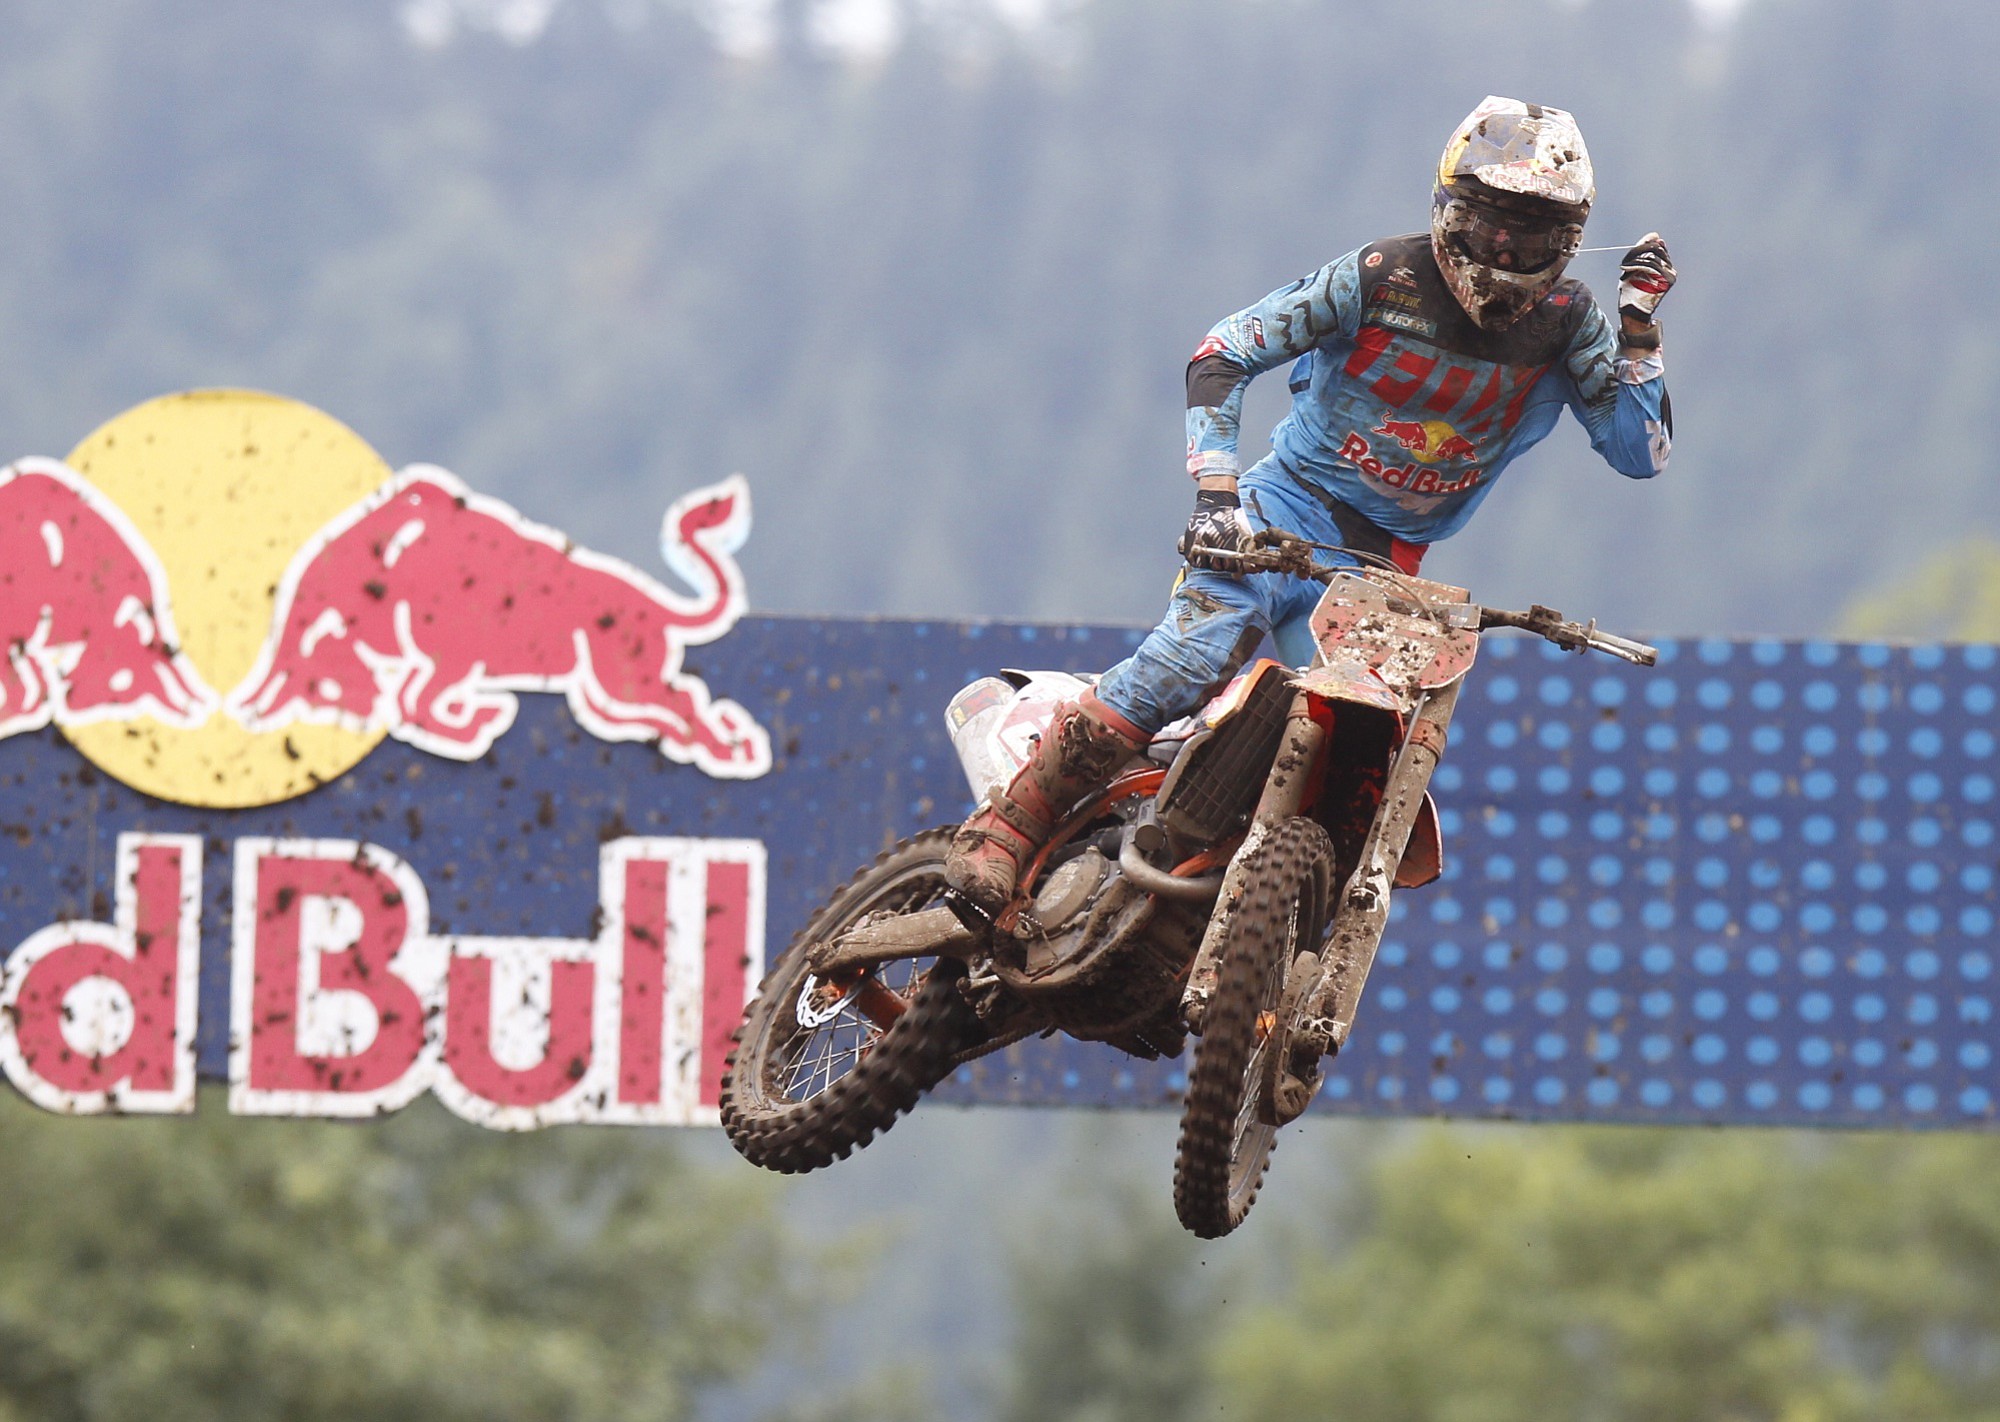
(1225, 1143)
(821, 1065)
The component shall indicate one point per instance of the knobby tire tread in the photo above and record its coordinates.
(915, 1053)
(1295, 859)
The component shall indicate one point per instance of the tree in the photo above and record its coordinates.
(413, 1268)
(1642, 1275)
(1111, 1308)
(1955, 595)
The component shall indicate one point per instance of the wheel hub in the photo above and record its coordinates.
(1290, 1077)
(821, 1000)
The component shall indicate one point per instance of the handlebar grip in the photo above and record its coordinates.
(1268, 557)
(1547, 623)
(1637, 653)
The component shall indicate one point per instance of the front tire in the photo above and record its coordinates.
(1282, 912)
(819, 1068)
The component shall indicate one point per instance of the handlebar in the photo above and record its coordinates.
(1277, 551)
(1547, 623)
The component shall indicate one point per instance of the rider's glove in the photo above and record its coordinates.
(1644, 278)
(1216, 526)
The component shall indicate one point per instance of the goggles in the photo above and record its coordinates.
(1508, 241)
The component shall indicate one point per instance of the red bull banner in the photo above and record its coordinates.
(343, 785)
(270, 786)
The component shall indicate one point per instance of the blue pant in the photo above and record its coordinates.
(1216, 621)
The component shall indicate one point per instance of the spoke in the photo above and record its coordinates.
(827, 1053)
(801, 1065)
(1246, 1114)
(819, 1055)
(880, 1004)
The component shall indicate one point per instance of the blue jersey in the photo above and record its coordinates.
(1402, 408)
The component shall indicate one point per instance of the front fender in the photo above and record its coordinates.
(1366, 634)
(1423, 861)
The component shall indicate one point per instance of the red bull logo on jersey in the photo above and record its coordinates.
(1429, 441)
(1410, 479)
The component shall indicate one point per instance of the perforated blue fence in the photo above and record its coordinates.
(1754, 884)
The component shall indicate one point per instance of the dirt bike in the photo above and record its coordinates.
(1233, 881)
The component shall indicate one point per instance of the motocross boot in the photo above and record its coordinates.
(1084, 746)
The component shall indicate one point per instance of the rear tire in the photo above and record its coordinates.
(1282, 912)
(813, 1077)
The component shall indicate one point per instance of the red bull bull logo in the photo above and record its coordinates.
(84, 615)
(420, 610)
(1429, 441)
(427, 607)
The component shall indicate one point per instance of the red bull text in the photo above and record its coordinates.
(1415, 477)
(344, 1003)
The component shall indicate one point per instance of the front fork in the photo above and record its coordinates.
(1284, 794)
(1363, 910)
(1321, 1009)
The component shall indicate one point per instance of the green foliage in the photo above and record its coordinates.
(893, 1393)
(415, 1268)
(1644, 1276)
(1111, 1316)
(1955, 596)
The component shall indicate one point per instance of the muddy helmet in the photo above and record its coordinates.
(1513, 190)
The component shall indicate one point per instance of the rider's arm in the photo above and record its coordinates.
(1280, 328)
(1620, 394)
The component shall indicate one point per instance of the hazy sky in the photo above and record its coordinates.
(862, 29)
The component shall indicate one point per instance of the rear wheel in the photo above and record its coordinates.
(1225, 1145)
(821, 1066)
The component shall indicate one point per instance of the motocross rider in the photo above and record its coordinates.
(1423, 365)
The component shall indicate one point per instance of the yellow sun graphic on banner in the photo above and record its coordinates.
(226, 485)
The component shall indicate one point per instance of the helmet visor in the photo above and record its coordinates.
(1508, 241)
